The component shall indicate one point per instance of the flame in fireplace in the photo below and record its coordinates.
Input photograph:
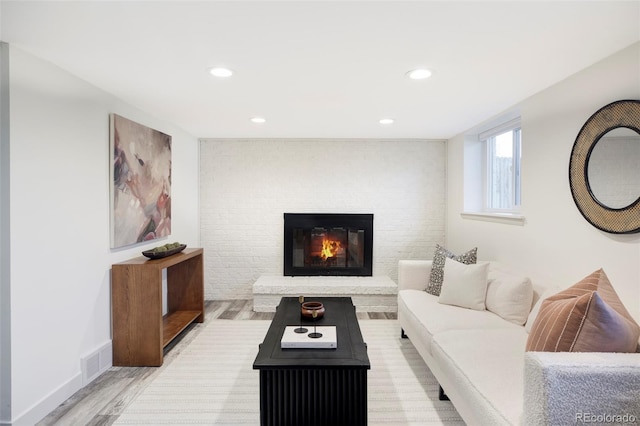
(330, 248)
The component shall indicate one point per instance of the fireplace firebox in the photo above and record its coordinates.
(328, 244)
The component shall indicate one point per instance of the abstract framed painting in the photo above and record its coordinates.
(140, 182)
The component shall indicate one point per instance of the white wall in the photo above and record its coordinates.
(5, 250)
(247, 185)
(556, 244)
(60, 256)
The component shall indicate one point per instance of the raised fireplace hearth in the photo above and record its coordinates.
(369, 294)
(333, 244)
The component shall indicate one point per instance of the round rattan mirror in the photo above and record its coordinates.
(624, 220)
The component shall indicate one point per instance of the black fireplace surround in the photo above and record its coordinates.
(328, 244)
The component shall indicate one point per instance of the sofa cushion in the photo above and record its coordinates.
(425, 313)
(487, 367)
(509, 296)
(437, 268)
(586, 317)
(464, 285)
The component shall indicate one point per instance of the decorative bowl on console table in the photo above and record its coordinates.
(169, 249)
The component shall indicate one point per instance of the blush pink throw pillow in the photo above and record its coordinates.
(586, 317)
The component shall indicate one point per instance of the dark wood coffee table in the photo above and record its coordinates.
(314, 386)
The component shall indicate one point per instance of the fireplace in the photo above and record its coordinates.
(328, 244)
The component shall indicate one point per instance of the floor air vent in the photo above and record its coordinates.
(96, 363)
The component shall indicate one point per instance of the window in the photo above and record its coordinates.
(502, 146)
(491, 171)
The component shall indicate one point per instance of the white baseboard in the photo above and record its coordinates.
(49, 403)
(91, 366)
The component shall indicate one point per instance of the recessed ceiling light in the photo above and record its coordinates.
(258, 120)
(386, 121)
(220, 72)
(419, 74)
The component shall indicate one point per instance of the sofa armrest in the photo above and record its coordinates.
(413, 274)
(562, 388)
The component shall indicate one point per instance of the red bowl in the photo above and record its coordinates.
(308, 308)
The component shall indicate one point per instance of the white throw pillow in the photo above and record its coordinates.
(509, 296)
(464, 285)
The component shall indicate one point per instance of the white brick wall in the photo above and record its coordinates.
(247, 185)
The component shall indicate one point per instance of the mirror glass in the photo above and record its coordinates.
(613, 171)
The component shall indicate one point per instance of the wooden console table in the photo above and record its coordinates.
(140, 332)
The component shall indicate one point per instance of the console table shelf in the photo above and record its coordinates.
(175, 322)
(140, 331)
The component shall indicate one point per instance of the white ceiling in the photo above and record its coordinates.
(323, 69)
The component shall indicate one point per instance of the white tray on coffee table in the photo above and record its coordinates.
(292, 340)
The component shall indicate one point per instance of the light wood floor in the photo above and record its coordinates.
(104, 399)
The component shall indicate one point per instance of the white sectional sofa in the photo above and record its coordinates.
(479, 359)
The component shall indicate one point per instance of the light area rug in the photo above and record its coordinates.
(212, 381)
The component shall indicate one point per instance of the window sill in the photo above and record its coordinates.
(508, 218)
